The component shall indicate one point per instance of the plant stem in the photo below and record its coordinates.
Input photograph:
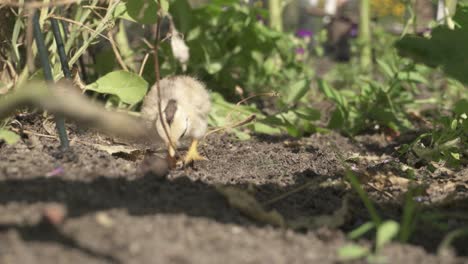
(365, 36)
(275, 9)
(44, 57)
(60, 48)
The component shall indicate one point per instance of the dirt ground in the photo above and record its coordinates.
(91, 206)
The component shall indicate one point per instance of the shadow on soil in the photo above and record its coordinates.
(148, 195)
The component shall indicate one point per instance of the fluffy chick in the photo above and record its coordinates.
(185, 104)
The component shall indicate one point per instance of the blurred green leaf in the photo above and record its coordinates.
(296, 91)
(183, 16)
(461, 107)
(411, 77)
(352, 252)
(337, 120)
(8, 136)
(386, 232)
(121, 12)
(164, 5)
(143, 11)
(361, 230)
(308, 113)
(385, 68)
(194, 34)
(213, 67)
(129, 87)
(261, 127)
(445, 48)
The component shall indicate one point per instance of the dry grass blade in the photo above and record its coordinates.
(79, 24)
(231, 126)
(249, 206)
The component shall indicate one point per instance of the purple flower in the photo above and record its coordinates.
(300, 51)
(303, 33)
(353, 32)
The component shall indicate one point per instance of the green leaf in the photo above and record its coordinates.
(352, 252)
(445, 48)
(361, 230)
(183, 16)
(308, 113)
(386, 232)
(455, 155)
(213, 67)
(297, 91)
(128, 86)
(337, 120)
(260, 127)
(164, 5)
(454, 124)
(411, 77)
(385, 68)
(8, 136)
(120, 11)
(194, 34)
(143, 11)
(331, 93)
(461, 107)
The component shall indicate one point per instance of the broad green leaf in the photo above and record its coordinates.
(183, 16)
(297, 91)
(8, 136)
(386, 232)
(445, 48)
(143, 11)
(352, 252)
(128, 86)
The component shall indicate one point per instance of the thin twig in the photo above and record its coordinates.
(37, 4)
(241, 123)
(273, 94)
(158, 77)
(116, 51)
(142, 67)
(79, 24)
(293, 191)
(29, 40)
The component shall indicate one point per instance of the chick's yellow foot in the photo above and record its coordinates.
(192, 154)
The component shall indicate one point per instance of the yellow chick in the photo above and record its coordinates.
(185, 105)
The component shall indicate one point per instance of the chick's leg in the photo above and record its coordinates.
(192, 153)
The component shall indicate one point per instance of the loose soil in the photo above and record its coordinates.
(89, 206)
